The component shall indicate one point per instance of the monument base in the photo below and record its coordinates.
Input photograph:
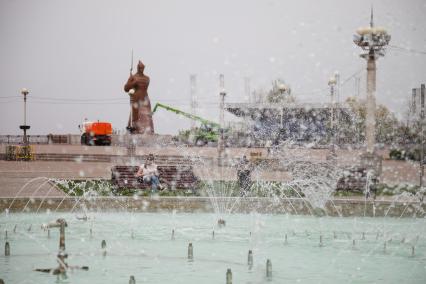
(331, 155)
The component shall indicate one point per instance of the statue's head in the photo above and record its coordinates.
(141, 67)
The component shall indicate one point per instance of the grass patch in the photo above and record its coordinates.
(99, 187)
(93, 188)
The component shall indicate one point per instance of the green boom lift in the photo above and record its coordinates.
(207, 132)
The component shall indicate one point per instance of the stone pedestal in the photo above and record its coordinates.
(372, 161)
(128, 160)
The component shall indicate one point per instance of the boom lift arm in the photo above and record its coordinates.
(206, 122)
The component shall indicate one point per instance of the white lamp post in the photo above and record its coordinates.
(332, 83)
(25, 127)
(221, 142)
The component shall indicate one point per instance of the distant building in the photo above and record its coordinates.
(417, 101)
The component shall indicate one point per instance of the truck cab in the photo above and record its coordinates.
(96, 133)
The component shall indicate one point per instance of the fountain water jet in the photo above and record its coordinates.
(7, 249)
(190, 252)
(62, 255)
(250, 259)
(268, 269)
(229, 276)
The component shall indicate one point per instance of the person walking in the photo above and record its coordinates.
(244, 169)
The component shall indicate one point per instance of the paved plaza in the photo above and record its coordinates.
(30, 179)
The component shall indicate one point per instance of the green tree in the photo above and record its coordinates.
(387, 125)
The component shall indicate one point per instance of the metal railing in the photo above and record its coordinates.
(18, 139)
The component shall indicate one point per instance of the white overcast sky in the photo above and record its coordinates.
(66, 52)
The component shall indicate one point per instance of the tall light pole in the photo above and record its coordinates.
(373, 41)
(25, 127)
(422, 134)
(193, 93)
(221, 142)
(332, 83)
(337, 102)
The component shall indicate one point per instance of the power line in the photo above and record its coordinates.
(352, 76)
(406, 49)
(76, 100)
(8, 97)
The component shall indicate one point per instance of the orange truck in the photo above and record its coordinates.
(96, 133)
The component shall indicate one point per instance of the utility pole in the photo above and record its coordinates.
(332, 83)
(247, 89)
(336, 108)
(422, 138)
(193, 93)
(357, 86)
(221, 142)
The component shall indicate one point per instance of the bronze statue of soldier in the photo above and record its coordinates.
(140, 121)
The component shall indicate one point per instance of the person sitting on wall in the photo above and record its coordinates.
(148, 172)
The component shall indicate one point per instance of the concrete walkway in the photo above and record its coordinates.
(30, 179)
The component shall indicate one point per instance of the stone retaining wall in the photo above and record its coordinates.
(338, 207)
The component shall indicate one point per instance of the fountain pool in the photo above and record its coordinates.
(302, 249)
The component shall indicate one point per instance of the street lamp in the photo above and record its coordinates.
(332, 83)
(25, 127)
(282, 88)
